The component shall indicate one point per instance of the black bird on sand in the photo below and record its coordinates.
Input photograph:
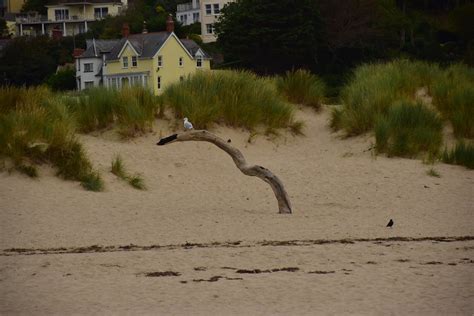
(390, 223)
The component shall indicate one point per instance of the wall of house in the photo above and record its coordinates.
(210, 18)
(170, 71)
(14, 6)
(115, 67)
(88, 76)
(81, 12)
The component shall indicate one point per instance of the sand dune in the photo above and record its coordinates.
(339, 191)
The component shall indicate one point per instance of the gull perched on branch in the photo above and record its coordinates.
(187, 124)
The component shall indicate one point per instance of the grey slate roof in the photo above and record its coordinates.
(193, 48)
(101, 47)
(146, 45)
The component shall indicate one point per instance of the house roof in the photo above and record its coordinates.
(96, 48)
(148, 44)
(193, 48)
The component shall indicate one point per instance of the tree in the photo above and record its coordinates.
(35, 5)
(270, 36)
(62, 80)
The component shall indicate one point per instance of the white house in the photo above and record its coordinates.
(205, 11)
(89, 64)
(188, 13)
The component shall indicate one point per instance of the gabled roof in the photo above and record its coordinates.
(193, 48)
(96, 48)
(146, 45)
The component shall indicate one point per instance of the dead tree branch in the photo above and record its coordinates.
(266, 175)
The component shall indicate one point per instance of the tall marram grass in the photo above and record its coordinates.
(408, 129)
(36, 128)
(133, 109)
(461, 154)
(236, 98)
(453, 95)
(302, 87)
(374, 88)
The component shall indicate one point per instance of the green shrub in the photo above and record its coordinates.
(62, 80)
(375, 87)
(407, 130)
(236, 98)
(461, 154)
(453, 95)
(302, 87)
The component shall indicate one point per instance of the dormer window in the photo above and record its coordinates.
(134, 61)
(125, 62)
(160, 61)
(199, 61)
(180, 62)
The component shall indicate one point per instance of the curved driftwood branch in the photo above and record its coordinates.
(266, 175)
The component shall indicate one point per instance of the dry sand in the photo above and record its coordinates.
(219, 233)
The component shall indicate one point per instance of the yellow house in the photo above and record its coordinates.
(153, 60)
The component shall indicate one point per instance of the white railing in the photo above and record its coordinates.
(186, 7)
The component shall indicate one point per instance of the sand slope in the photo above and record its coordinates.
(195, 194)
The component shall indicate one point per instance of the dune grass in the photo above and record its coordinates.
(408, 129)
(373, 90)
(235, 98)
(453, 96)
(132, 109)
(302, 87)
(118, 169)
(462, 154)
(38, 129)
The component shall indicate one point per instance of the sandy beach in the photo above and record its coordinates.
(206, 239)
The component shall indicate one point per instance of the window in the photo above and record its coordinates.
(134, 61)
(159, 83)
(199, 61)
(100, 13)
(180, 62)
(61, 14)
(88, 67)
(78, 65)
(195, 17)
(208, 9)
(160, 61)
(125, 62)
(210, 28)
(216, 8)
(88, 84)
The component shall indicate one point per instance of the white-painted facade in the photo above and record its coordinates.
(189, 13)
(210, 13)
(88, 72)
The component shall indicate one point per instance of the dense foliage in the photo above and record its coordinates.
(333, 36)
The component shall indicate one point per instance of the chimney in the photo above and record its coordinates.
(145, 30)
(169, 24)
(125, 30)
(77, 52)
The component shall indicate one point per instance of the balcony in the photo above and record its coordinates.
(186, 7)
